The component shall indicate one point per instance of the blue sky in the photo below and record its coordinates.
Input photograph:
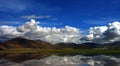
(77, 13)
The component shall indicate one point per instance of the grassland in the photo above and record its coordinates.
(27, 50)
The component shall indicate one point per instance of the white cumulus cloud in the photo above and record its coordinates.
(32, 30)
(8, 31)
(109, 33)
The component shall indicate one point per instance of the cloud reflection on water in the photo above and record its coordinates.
(78, 60)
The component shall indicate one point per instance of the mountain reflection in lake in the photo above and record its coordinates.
(47, 59)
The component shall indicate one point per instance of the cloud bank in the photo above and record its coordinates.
(109, 33)
(32, 30)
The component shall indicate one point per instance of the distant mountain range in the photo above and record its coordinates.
(37, 44)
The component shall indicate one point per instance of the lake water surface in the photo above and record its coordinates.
(48, 59)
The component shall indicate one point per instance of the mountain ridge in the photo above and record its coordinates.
(19, 42)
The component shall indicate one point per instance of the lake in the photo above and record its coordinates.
(58, 59)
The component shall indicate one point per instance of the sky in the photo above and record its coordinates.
(77, 13)
(96, 18)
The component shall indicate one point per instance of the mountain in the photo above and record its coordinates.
(2, 47)
(114, 45)
(89, 45)
(37, 44)
(66, 46)
(26, 43)
(76, 46)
